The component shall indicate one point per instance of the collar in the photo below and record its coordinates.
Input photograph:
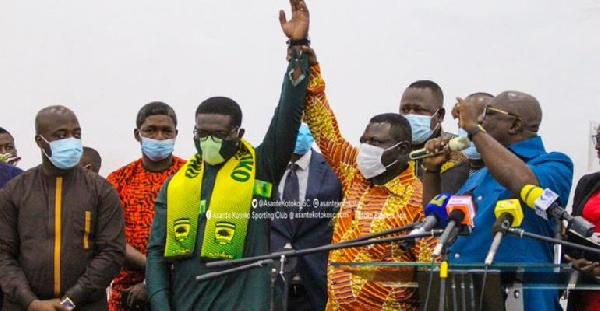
(398, 185)
(304, 161)
(528, 148)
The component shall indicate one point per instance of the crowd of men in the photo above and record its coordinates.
(137, 240)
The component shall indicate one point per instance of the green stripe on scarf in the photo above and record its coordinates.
(230, 203)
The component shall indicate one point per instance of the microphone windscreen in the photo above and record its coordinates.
(530, 193)
(459, 143)
(512, 207)
(437, 208)
(458, 216)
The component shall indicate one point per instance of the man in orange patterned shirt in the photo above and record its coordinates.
(380, 192)
(138, 184)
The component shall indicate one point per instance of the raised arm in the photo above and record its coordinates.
(279, 142)
(506, 168)
(338, 152)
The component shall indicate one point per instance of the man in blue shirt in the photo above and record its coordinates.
(8, 172)
(505, 134)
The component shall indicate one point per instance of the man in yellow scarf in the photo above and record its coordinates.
(211, 209)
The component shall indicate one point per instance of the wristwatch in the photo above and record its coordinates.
(67, 303)
(474, 131)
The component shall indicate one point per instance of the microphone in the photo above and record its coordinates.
(455, 144)
(460, 215)
(436, 214)
(544, 203)
(508, 213)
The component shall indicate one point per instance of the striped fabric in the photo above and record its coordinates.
(366, 209)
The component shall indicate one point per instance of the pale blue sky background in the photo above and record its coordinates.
(105, 59)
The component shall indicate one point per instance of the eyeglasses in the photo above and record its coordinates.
(596, 140)
(215, 136)
(490, 111)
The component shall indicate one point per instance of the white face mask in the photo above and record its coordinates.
(369, 160)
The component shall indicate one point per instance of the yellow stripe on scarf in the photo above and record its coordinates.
(228, 212)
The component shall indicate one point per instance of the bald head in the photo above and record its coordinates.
(91, 159)
(51, 115)
(524, 105)
(480, 97)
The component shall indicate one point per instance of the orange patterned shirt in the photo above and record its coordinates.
(366, 209)
(137, 189)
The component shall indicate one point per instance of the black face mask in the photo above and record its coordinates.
(215, 153)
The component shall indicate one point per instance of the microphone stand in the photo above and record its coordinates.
(244, 264)
(322, 248)
(522, 233)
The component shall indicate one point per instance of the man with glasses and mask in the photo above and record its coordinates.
(381, 192)
(138, 184)
(215, 207)
(505, 132)
(422, 104)
(62, 239)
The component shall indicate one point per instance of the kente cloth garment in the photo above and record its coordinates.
(173, 285)
(61, 235)
(366, 209)
(137, 190)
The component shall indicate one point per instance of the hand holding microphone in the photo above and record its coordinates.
(440, 146)
(509, 213)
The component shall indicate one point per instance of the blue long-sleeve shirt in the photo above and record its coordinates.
(554, 171)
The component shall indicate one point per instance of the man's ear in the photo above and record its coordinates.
(404, 147)
(241, 133)
(136, 135)
(441, 114)
(38, 141)
(516, 127)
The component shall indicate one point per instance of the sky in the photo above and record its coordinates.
(106, 59)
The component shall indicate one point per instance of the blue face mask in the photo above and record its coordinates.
(421, 127)
(470, 152)
(157, 150)
(304, 140)
(66, 153)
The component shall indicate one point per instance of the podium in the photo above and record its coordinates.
(501, 284)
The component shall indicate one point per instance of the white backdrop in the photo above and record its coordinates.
(105, 59)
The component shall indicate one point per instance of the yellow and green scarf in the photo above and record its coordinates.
(230, 207)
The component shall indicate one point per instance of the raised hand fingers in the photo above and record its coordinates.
(302, 6)
(282, 19)
(294, 5)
